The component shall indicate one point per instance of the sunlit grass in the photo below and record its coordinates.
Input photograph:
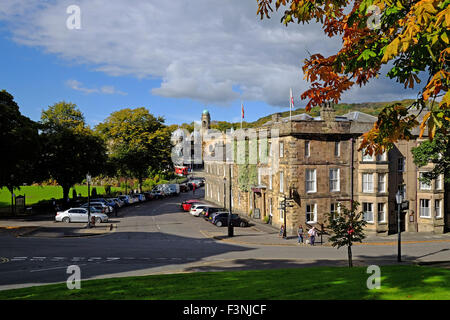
(397, 282)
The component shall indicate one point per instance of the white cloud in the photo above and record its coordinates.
(212, 51)
(78, 86)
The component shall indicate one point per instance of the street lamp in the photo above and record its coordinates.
(89, 180)
(230, 223)
(399, 199)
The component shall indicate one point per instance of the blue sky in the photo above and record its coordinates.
(176, 58)
(37, 80)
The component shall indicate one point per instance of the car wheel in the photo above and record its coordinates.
(66, 220)
(219, 223)
(98, 220)
(243, 224)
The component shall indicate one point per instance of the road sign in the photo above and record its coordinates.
(405, 205)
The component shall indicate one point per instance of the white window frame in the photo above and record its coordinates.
(382, 157)
(367, 157)
(312, 213)
(307, 148)
(367, 183)
(281, 181)
(281, 149)
(423, 185)
(312, 182)
(383, 212)
(337, 148)
(270, 180)
(424, 212)
(382, 182)
(366, 212)
(438, 182)
(401, 163)
(438, 208)
(335, 180)
(335, 208)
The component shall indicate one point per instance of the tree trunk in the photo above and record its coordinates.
(12, 200)
(66, 189)
(140, 184)
(350, 261)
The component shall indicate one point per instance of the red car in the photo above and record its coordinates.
(186, 205)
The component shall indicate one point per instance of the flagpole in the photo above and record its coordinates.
(242, 112)
(290, 106)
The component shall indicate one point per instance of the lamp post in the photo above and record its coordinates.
(230, 222)
(88, 179)
(399, 199)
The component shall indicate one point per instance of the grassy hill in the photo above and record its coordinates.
(372, 108)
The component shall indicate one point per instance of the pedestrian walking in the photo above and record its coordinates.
(312, 235)
(300, 234)
(281, 230)
(193, 188)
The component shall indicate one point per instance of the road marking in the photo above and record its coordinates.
(55, 268)
(94, 258)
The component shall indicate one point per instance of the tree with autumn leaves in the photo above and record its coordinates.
(411, 37)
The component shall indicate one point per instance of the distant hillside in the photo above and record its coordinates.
(372, 108)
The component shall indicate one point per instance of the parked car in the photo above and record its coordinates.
(221, 220)
(99, 205)
(119, 202)
(156, 194)
(186, 205)
(148, 196)
(209, 211)
(196, 209)
(174, 189)
(184, 187)
(110, 203)
(125, 199)
(79, 215)
(138, 197)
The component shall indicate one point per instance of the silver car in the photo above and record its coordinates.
(104, 207)
(79, 215)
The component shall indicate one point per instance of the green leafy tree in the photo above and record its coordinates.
(70, 148)
(137, 142)
(19, 145)
(436, 152)
(347, 228)
(410, 37)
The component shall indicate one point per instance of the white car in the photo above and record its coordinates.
(79, 215)
(196, 209)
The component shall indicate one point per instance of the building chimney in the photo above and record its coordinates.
(327, 111)
(276, 117)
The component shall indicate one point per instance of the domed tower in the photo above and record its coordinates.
(206, 120)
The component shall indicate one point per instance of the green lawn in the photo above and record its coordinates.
(397, 282)
(35, 194)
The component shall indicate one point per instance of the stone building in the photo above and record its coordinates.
(318, 165)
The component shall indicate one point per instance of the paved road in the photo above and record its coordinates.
(156, 237)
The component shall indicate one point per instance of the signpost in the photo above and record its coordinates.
(285, 202)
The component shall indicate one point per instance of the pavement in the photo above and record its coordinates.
(260, 233)
(44, 226)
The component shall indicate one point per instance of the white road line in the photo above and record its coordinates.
(55, 268)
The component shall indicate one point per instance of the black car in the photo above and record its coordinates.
(209, 211)
(221, 219)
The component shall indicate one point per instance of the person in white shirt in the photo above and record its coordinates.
(312, 235)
